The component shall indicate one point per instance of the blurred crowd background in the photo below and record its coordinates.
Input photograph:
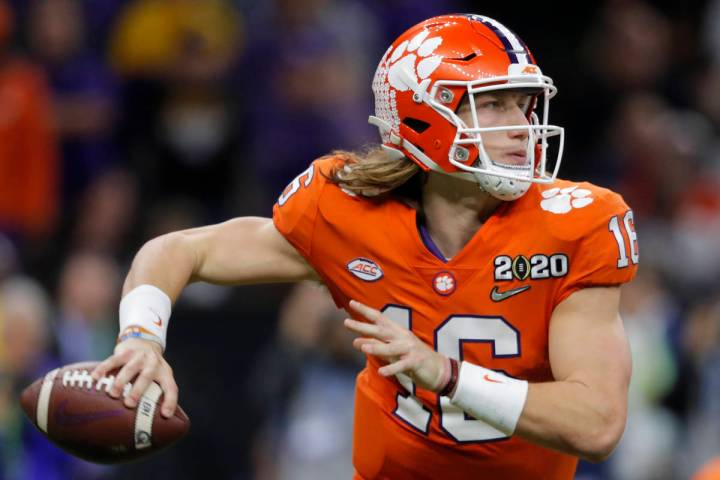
(124, 119)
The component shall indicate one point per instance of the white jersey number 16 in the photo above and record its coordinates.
(449, 338)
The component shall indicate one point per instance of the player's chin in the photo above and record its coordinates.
(513, 160)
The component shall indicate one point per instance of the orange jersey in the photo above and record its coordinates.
(489, 305)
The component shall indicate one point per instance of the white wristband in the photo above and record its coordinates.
(492, 397)
(148, 307)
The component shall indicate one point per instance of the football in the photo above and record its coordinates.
(77, 414)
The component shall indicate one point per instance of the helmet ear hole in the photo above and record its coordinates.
(416, 125)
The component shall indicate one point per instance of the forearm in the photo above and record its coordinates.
(573, 418)
(584, 411)
(244, 250)
(166, 262)
(584, 417)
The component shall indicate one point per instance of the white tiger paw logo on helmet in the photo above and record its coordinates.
(562, 200)
(405, 71)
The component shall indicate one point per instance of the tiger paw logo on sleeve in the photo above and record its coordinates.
(562, 200)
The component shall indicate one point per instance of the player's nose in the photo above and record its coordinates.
(517, 117)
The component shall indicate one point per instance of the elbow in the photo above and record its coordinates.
(173, 245)
(161, 242)
(597, 427)
(600, 449)
(176, 247)
(597, 444)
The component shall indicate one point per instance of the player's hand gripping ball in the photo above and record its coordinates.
(76, 413)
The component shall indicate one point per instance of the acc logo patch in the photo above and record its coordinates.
(365, 269)
(444, 283)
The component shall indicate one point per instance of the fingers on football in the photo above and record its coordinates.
(110, 363)
(126, 374)
(143, 380)
(398, 367)
(170, 390)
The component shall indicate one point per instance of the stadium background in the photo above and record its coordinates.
(121, 120)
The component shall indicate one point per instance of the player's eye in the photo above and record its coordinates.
(464, 107)
(489, 104)
(524, 102)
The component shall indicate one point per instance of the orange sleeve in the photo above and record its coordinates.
(296, 209)
(296, 213)
(607, 254)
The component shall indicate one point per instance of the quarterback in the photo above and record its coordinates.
(483, 289)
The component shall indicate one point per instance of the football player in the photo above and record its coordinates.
(484, 290)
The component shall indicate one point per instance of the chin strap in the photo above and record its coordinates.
(500, 187)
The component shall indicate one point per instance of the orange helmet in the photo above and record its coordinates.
(423, 77)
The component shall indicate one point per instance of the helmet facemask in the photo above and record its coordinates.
(468, 153)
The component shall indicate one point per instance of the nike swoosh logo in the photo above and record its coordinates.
(488, 379)
(67, 419)
(498, 296)
(157, 322)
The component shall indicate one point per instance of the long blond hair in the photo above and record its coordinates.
(371, 172)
